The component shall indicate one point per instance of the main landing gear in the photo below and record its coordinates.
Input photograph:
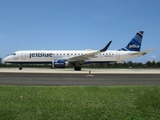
(77, 68)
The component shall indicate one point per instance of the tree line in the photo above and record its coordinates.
(130, 64)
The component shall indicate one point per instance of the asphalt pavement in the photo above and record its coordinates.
(57, 79)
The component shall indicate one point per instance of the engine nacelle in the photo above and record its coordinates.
(59, 64)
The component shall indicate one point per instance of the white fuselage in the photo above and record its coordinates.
(47, 56)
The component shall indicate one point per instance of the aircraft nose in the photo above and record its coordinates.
(5, 60)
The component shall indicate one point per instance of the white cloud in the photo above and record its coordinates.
(152, 57)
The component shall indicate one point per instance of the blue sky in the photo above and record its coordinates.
(78, 24)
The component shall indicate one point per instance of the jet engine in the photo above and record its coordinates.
(59, 63)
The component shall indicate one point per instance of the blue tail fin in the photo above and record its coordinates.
(135, 43)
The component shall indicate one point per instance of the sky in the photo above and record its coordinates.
(78, 24)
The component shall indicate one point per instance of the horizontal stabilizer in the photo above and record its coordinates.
(143, 52)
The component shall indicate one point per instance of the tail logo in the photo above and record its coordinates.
(135, 43)
(134, 46)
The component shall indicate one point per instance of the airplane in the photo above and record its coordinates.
(76, 58)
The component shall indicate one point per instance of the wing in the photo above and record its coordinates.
(143, 52)
(88, 55)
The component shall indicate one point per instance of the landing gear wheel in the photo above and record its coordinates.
(77, 68)
(20, 67)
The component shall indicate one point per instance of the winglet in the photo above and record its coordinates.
(106, 47)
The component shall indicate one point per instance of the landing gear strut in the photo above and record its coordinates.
(20, 67)
(77, 68)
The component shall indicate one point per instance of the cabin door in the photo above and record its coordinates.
(117, 55)
(23, 55)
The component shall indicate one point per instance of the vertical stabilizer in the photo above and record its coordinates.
(135, 43)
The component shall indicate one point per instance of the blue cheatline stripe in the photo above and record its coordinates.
(88, 62)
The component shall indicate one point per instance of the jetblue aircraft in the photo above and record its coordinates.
(76, 58)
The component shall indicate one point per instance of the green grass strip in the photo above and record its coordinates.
(79, 103)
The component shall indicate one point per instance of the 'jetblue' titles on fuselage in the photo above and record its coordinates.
(42, 54)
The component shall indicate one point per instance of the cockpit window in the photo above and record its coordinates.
(13, 54)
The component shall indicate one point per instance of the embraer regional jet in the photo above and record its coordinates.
(76, 58)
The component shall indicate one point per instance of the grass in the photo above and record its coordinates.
(88, 103)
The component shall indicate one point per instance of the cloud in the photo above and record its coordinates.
(152, 57)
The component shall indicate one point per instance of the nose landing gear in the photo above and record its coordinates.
(20, 67)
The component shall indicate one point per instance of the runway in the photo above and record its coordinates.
(83, 71)
(69, 77)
